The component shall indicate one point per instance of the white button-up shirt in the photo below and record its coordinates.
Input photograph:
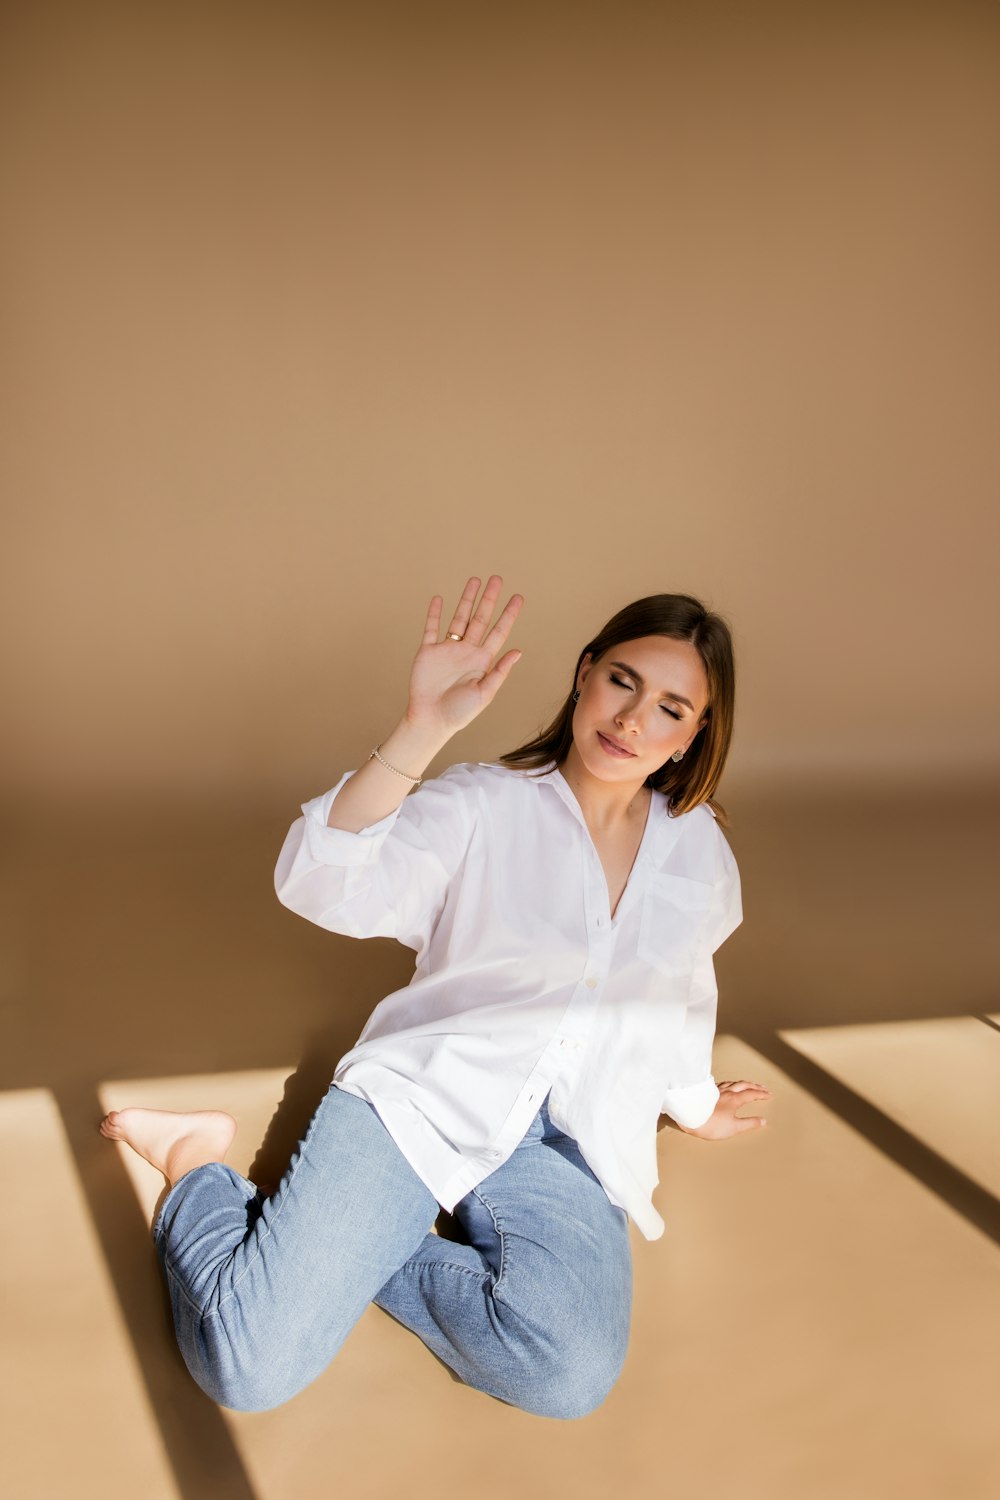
(524, 984)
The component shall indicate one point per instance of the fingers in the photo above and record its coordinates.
(433, 622)
(460, 619)
(473, 627)
(479, 623)
(491, 682)
(505, 624)
(752, 1091)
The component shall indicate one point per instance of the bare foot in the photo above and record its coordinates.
(171, 1141)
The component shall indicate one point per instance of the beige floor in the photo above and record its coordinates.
(820, 1320)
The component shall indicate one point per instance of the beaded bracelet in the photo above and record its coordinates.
(414, 779)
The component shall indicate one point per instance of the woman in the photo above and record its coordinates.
(564, 904)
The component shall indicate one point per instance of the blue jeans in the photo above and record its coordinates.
(534, 1310)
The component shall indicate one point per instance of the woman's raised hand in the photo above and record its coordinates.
(453, 681)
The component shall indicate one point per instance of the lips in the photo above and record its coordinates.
(623, 749)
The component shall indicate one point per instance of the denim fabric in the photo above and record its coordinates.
(535, 1310)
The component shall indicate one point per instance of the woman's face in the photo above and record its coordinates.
(633, 696)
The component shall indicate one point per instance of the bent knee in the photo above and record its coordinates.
(575, 1380)
(245, 1382)
(239, 1368)
(248, 1390)
(579, 1393)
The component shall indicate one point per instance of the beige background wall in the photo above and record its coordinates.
(309, 312)
(313, 310)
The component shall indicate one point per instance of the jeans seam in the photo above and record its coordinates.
(176, 1282)
(498, 1284)
(450, 1265)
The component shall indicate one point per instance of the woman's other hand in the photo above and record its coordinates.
(724, 1121)
(453, 681)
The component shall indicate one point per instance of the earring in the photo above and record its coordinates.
(576, 696)
(677, 755)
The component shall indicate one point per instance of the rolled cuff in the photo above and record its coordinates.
(336, 846)
(692, 1106)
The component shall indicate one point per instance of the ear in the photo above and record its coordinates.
(585, 667)
(696, 733)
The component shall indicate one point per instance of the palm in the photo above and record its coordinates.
(453, 681)
(447, 679)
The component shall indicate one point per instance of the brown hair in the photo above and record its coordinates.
(690, 781)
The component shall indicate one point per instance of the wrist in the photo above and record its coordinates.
(411, 747)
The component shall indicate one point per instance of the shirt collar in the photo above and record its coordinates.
(663, 833)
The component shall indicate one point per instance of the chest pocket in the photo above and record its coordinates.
(674, 917)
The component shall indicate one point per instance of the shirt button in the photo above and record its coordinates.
(591, 984)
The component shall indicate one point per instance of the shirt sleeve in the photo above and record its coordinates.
(391, 878)
(693, 1093)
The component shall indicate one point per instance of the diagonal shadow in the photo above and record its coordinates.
(197, 1441)
(934, 1172)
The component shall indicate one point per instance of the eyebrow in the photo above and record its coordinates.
(676, 697)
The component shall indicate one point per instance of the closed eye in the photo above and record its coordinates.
(620, 683)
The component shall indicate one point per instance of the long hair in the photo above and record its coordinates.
(687, 782)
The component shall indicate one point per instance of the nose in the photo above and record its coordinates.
(628, 717)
